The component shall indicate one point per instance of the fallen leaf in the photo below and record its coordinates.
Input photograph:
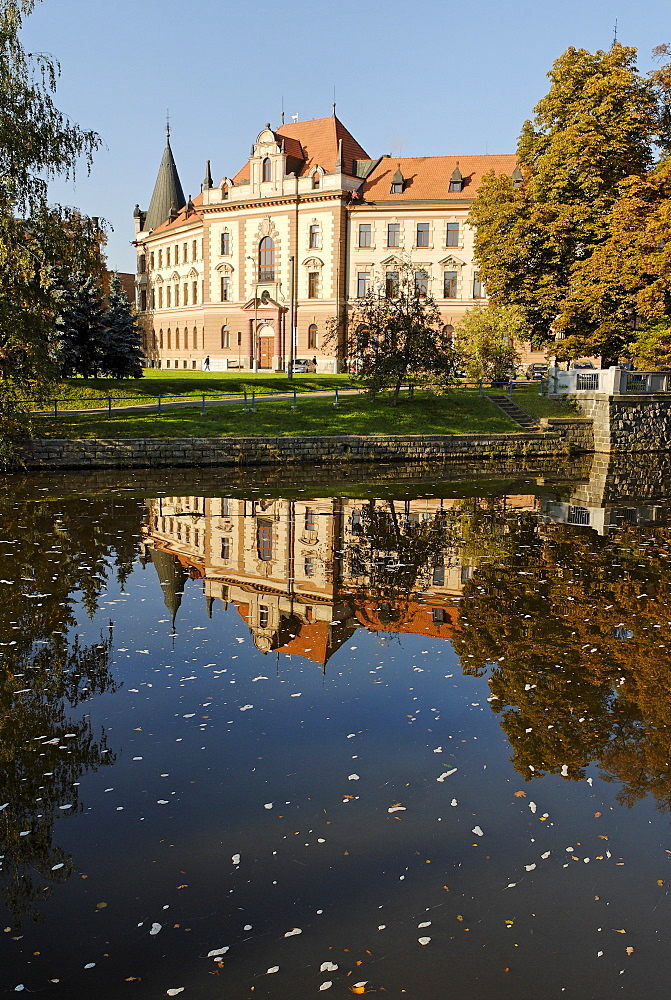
(629, 950)
(520, 795)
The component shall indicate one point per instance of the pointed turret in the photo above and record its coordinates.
(167, 190)
(207, 183)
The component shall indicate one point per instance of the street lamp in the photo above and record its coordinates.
(255, 363)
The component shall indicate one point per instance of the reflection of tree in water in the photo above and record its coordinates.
(574, 630)
(48, 556)
(393, 553)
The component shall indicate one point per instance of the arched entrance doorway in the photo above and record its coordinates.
(266, 346)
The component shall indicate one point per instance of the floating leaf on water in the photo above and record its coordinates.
(328, 967)
(353, 777)
(424, 923)
(446, 774)
(235, 859)
(424, 940)
(273, 968)
(267, 805)
(532, 806)
(293, 932)
(477, 831)
(175, 991)
(155, 928)
(326, 986)
(218, 951)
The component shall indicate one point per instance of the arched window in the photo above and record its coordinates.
(315, 179)
(177, 339)
(267, 174)
(267, 259)
(154, 341)
(449, 330)
(225, 338)
(313, 337)
(186, 338)
(160, 339)
(169, 339)
(195, 337)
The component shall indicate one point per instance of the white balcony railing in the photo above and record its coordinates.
(611, 381)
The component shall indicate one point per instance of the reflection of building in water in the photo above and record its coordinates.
(305, 574)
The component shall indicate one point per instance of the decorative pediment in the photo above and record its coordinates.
(267, 228)
(264, 301)
(193, 273)
(224, 268)
(451, 261)
(313, 262)
(393, 260)
(175, 276)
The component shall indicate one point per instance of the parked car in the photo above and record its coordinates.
(303, 366)
(536, 371)
(581, 366)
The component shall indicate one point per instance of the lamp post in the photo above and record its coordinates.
(290, 366)
(255, 362)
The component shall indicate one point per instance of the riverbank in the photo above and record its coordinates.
(558, 437)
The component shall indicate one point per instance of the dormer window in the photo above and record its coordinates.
(316, 179)
(517, 177)
(397, 182)
(267, 170)
(456, 180)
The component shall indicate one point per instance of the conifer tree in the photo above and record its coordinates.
(81, 326)
(122, 337)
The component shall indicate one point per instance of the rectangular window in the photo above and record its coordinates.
(225, 288)
(153, 298)
(309, 566)
(194, 250)
(264, 615)
(225, 549)
(310, 519)
(177, 254)
(194, 292)
(151, 261)
(392, 285)
(176, 295)
(167, 256)
(452, 238)
(185, 250)
(185, 291)
(168, 297)
(450, 285)
(466, 573)
(421, 284)
(364, 234)
(264, 539)
(141, 263)
(143, 300)
(160, 258)
(362, 284)
(478, 287)
(225, 242)
(422, 234)
(439, 616)
(226, 507)
(314, 238)
(160, 298)
(439, 576)
(313, 284)
(393, 234)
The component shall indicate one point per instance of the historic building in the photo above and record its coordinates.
(307, 225)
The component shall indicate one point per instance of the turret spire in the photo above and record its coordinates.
(167, 190)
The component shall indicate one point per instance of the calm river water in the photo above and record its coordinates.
(409, 737)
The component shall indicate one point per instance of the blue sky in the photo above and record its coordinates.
(415, 79)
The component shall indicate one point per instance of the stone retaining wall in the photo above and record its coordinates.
(631, 423)
(196, 452)
(577, 432)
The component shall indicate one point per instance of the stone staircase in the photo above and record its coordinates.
(515, 412)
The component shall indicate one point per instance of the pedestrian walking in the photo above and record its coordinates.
(206, 364)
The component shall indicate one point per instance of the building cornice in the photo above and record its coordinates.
(267, 202)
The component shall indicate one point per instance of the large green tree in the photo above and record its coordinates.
(122, 337)
(536, 235)
(37, 143)
(485, 340)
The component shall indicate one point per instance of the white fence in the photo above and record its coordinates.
(612, 381)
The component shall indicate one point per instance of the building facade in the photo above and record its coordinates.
(258, 268)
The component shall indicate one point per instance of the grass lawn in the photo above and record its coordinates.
(91, 393)
(460, 412)
(527, 397)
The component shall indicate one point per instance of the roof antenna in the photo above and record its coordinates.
(167, 123)
(615, 34)
(282, 115)
(334, 101)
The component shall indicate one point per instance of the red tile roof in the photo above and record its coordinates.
(182, 218)
(315, 143)
(428, 177)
